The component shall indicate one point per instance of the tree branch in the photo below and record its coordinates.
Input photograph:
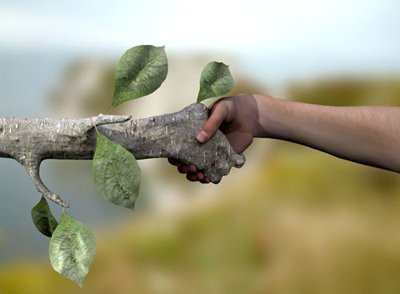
(31, 140)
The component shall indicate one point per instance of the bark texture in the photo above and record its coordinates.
(31, 140)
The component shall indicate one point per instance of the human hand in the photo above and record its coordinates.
(237, 118)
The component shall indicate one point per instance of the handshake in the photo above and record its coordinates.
(236, 117)
(362, 134)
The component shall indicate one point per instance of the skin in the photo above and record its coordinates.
(367, 135)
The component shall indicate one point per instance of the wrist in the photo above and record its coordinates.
(270, 113)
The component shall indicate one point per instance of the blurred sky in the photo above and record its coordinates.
(274, 42)
(277, 40)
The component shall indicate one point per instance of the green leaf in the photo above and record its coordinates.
(72, 248)
(216, 80)
(116, 172)
(140, 71)
(42, 218)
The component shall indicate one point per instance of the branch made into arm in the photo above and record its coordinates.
(31, 140)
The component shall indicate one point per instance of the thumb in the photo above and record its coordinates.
(211, 126)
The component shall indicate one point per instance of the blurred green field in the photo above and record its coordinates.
(302, 222)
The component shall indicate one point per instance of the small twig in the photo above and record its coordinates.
(32, 166)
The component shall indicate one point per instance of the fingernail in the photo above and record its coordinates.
(202, 136)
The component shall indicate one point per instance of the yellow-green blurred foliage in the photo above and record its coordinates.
(303, 222)
(349, 91)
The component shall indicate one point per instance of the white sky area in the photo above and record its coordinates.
(296, 36)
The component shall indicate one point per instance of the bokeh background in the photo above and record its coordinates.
(292, 220)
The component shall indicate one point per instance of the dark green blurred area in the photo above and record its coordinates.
(301, 222)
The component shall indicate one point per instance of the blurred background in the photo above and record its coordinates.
(292, 220)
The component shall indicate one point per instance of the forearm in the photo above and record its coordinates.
(364, 134)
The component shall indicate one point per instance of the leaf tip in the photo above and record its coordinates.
(79, 282)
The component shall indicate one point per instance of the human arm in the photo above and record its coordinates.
(365, 134)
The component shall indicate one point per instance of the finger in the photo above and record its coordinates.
(205, 180)
(197, 176)
(173, 161)
(213, 123)
(183, 169)
(191, 177)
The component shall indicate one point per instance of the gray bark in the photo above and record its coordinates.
(32, 140)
